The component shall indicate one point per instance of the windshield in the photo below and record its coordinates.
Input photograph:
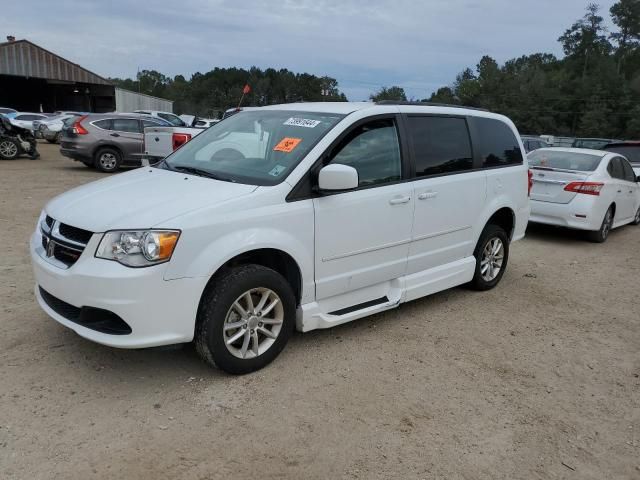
(632, 152)
(582, 162)
(258, 147)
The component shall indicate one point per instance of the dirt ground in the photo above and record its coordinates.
(538, 378)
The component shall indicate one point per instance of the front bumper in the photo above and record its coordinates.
(582, 213)
(158, 312)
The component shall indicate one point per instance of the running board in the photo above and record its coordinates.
(360, 306)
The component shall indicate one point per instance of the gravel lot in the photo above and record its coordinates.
(535, 379)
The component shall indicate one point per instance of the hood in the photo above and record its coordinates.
(142, 198)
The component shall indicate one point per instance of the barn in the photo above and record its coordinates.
(33, 79)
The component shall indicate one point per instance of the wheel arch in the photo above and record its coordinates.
(273, 258)
(505, 218)
(103, 146)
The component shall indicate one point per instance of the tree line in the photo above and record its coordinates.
(594, 91)
(209, 94)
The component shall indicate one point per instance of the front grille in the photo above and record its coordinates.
(75, 234)
(63, 242)
(97, 319)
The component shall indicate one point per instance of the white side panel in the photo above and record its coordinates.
(127, 101)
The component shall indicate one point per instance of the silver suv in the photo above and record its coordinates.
(107, 141)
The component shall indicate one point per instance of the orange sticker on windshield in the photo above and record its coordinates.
(287, 145)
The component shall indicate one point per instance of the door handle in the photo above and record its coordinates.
(619, 191)
(114, 134)
(399, 200)
(427, 195)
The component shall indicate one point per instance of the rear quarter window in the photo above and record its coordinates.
(497, 145)
(103, 124)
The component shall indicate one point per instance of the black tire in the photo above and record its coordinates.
(601, 235)
(9, 148)
(490, 234)
(636, 220)
(215, 305)
(107, 160)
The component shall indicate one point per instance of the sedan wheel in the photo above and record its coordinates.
(636, 220)
(8, 149)
(600, 236)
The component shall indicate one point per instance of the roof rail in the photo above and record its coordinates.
(427, 104)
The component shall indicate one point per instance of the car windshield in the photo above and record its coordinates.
(632, 152)
(582, 162)
(258, 147)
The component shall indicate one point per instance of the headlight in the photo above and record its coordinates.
(138, 248)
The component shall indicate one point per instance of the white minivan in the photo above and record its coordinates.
(304, 216)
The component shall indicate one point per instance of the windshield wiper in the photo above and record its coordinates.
(200, 172)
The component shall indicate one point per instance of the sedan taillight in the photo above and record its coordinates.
(530, 183)
(588, 188)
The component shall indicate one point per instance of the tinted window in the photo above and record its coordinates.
(629, 175)
(125, 125)
(582, 162)
(498, 145)
(615, 168)
(440, 144)
(104, 124)
(28, 117)
(6, 110)
(632, 152)
(374, 151)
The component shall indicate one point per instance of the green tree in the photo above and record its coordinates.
(626, 16)
(389, 93)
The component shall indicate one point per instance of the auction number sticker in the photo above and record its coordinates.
(287, 145)
(302, 122)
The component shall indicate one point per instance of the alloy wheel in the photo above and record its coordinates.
(492, 259)
(108, 161)
(606, 225)
(253, 323)
(8, 149)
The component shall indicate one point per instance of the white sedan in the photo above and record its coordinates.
(25, 120)
(589, 190)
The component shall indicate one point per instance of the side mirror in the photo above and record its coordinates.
(336, 177)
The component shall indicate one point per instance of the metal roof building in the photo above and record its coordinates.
(35, 79)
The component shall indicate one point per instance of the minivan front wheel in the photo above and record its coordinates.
(245, 319)
(492, 255)
(107, 160)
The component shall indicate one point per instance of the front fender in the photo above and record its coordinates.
(205, 262)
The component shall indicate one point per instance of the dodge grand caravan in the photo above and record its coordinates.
(298, 216)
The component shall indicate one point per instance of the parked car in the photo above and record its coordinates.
(630, 150)
(171, 118)
(16, 141)
(25, 120)
(50, 129)
(591, 143)
(584, 189)
(315, 215)
(107, 141)
(8, 112)
(532, 143)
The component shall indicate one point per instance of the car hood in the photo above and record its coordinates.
(140, 199)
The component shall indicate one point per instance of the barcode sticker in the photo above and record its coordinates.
(302, 122)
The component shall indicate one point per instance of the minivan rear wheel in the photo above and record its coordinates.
(107, 160)
(245, 319)
(492, 255)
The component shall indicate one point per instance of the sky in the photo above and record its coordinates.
(418, 45)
